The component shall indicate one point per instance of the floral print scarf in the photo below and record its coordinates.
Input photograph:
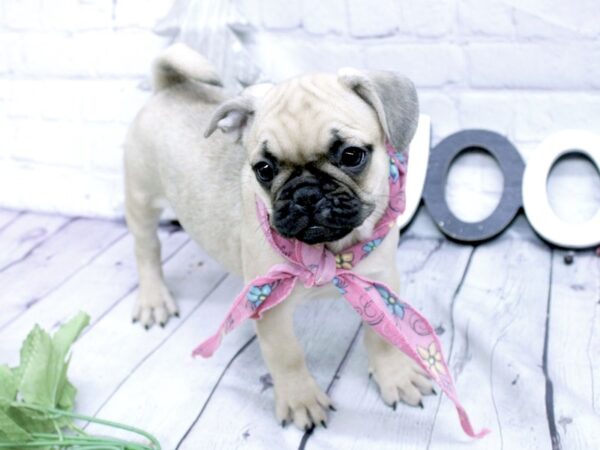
(314, 265)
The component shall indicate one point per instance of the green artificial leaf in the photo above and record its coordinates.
(68, 333)
(26, 352)
(66, 391)
(40, 369)
(8, 385)
(11, 430)
(62, 340)
(37, 397)
(31, 420)
(43, 369)
(67, 398)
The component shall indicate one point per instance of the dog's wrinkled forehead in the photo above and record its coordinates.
(297, 120)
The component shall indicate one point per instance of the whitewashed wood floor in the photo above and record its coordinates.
(521, 330)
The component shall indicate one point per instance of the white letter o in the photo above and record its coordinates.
(535, 194)
(418, 158)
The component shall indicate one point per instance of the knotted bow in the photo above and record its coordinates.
(314, 265)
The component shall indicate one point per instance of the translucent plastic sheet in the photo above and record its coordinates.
(216, 29)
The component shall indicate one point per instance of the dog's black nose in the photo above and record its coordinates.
(306, 198)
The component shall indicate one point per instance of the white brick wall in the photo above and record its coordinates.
(72, 75)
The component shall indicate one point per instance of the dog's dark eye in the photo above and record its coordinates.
(352, 157)
(264, 172)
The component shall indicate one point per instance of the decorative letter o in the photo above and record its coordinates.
(535, 193)
(512, 166)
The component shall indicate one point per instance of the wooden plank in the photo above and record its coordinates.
(95, 289)
(497, 349)
(241, 414)
(52, 263)
(574, 349)
(166, 387)
(28, 231)
(113, 349)
(7, 216)
(431, 270)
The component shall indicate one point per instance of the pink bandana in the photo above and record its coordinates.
(314, 265)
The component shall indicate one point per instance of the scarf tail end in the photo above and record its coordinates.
(466, 425)
(207, 348)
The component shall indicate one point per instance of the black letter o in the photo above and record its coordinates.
(441, 159)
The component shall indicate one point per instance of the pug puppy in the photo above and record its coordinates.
(313, 150)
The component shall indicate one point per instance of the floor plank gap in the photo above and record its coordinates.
(549, 397)
(213, 390)
(452, 329)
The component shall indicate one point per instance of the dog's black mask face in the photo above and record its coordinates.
(315, 208)
(309, 202)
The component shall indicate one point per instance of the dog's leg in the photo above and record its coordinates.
(298, 398)
(399, 378)
(154, 303)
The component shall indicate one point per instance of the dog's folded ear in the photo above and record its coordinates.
(233, 116)
(392, 96)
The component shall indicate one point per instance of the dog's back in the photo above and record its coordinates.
(169, 161)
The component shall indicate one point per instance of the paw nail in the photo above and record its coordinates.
(283, 423)
(323, 424)
(133, 320)
(162, 324)
(434, 392)
(147, 327)
(331, 407)
(394, 406)
(421, 404)
(176, 314)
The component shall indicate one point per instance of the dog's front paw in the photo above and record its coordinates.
(400, 379)
(299, 399)
(154, 305)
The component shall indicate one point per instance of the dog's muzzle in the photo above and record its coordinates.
(315, 210)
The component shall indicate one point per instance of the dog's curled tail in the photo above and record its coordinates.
(179, 63)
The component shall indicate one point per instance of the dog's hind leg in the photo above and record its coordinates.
(154, 303)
